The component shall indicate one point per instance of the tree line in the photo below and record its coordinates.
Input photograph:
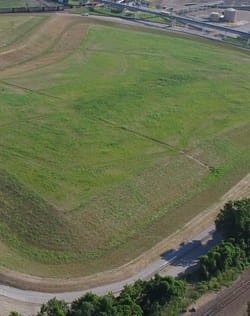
(233, 222)
(142, 298)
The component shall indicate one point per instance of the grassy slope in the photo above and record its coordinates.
(107, 186)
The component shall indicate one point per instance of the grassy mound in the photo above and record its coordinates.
(109, 136)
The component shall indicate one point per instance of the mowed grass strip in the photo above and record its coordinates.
(14, 29)
(102, 141)
(41, 41)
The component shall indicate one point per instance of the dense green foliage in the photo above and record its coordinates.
(54, 307)
(144, 298)
(234, 220)
(224, 256)
(152, 295)
(93, 305)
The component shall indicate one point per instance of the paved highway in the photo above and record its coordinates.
(171, 263)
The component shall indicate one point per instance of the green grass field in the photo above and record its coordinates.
(98, 124)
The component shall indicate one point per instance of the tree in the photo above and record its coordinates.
(107, 306)
(54, 307)
(85, 305)
(222, 257)
(158, 292)
(133, 291)
(128, 307)
(93, 305)
(234, 220)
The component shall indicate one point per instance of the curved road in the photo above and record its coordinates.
(171, 263)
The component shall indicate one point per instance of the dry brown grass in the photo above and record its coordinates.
(52, 41)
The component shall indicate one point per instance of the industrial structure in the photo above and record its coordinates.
(215, 17)
(184, 20)
(229, 15)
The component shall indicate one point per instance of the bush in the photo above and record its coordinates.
(54, 307)
(234, 220)
(143, 298)
(221, 258)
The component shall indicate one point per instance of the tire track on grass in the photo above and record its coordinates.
(29, 90)
(156, 140)
(107, 122)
